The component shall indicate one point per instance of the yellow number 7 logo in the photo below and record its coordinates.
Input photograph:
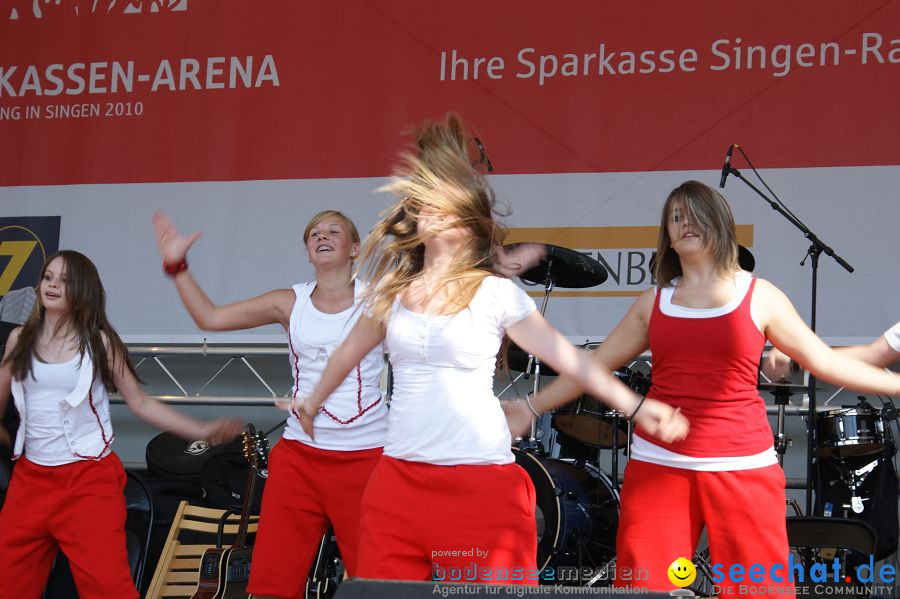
(18, 252)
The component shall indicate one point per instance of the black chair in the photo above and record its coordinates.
(60, 584)
(138, 525)
(138, 528)
(819, 540)
(4, 481)
(9, 420)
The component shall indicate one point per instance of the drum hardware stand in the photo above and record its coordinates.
(856, 502)
(854, 479)
(782, 398)
(816, 248)
(533, 443)
(560, 267)
(603, 573)
(795, 506)
(614, 459)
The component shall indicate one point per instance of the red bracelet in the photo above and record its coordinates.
(173, 269)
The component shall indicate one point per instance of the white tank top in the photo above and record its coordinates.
(354, 417)
(45, 437)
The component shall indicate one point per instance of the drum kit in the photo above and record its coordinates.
(577, 503)
(851, 442)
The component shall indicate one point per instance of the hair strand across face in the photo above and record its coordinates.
(710, 216)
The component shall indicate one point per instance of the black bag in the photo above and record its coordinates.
(878, 491)
(168, 455)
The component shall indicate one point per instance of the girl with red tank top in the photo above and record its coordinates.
(706, 324)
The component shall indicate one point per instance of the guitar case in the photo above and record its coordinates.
(168, 455)
(224, 478)
(174, 467)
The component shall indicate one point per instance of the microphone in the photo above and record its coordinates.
(726, 168)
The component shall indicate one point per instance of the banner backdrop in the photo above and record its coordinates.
(25, 244)
(245, 118)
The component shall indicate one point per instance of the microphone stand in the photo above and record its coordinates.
(816, 248)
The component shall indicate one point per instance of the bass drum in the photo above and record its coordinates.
(577, 514)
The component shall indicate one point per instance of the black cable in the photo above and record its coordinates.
(766, 185)
(275, 428)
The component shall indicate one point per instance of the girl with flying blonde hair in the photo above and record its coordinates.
(446, 495)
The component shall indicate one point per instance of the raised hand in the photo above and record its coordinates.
(519, 259)
(172, 245)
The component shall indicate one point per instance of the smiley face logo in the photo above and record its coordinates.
(682, 572)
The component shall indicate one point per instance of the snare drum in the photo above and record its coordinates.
(577, 513)
(849, 432)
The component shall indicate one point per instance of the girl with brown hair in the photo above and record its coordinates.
(67, 488)
(706, 323)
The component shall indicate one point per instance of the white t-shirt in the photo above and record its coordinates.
(892, 336)
(443, 409)
(354, 416)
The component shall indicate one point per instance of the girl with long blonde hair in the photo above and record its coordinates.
(313, 483)
(447, 494)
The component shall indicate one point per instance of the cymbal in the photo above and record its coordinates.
(745, 260)
(776, 387)
(566, 268)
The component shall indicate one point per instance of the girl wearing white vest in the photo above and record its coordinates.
(447, 493)
(67, 489)
(312, 482)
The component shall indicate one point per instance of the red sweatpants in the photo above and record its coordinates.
(665, 509)
(469, 523)
(307, 488)
(79, 508)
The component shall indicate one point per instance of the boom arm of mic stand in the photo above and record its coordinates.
(818, 244)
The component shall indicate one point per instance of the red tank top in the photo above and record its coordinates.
(708, 367)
